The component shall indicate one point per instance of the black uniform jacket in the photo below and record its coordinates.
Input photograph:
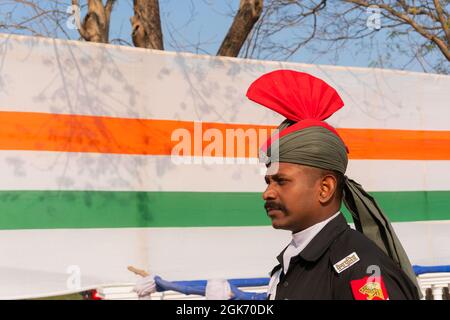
(342, 263)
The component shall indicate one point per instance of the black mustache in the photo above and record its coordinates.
(272, 205)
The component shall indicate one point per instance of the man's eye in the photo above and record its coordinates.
(281, 182)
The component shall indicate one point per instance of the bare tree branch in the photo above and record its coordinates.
(80, 26)
(246, 17)
(95, 26)
(407, 19)
(146, 25)
(445, 22)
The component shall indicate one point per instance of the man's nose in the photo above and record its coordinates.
(269, 194)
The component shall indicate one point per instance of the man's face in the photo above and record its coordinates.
(292, 196)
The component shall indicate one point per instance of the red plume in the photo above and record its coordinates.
(298, 96)
(295, 95)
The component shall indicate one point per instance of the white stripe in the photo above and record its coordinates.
(37, 170)
(104, 254)
(425, 242)
(173, 253)
(400, 175)
(78, 78)
(34, 170)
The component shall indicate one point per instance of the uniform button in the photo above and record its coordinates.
(285, 284)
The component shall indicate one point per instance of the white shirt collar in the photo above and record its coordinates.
(302, 238)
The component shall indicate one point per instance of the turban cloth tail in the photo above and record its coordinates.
(373, 223)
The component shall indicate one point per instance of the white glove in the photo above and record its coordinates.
(145, 286)
(218, 289)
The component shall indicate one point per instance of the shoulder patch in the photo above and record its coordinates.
(372, 288)
(346, 263)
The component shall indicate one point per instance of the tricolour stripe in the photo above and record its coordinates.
(93, 209)
(76, 133)
(71, 171)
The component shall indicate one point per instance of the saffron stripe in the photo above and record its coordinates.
(96, 134)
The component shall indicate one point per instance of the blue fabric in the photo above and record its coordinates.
(423, 269)
(241, 295)
(182, 287)
(199, 287)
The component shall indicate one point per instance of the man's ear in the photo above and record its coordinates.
(328, 186)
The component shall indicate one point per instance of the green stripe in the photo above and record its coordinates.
(97, 209)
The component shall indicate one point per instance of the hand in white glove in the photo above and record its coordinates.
(146, 285)
(218, 289)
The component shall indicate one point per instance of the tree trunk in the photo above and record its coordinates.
(146, 25)
(248, 14)
(95, 26)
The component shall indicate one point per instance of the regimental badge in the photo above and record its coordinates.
(346, 263)
(369, 288)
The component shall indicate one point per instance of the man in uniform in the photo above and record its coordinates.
(306, 185)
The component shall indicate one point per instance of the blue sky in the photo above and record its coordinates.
(188, 22)
(207, 21)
